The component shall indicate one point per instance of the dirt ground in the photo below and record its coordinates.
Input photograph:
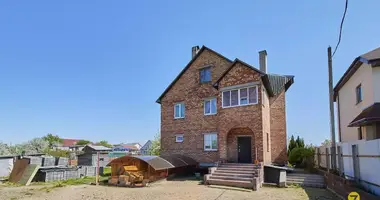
(176, 190)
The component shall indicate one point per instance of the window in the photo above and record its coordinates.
(210, 106)
(210, 142)
(244, 96)
(205, 75)
(179, 138)
(359, 96)
(267, 142)
(179, 110)
(360, 133)
(240, 97)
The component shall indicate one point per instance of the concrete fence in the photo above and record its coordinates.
(359, 161)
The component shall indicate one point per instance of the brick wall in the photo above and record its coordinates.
(189, 90)
(278, 128)
(249, 116)
(266, 127)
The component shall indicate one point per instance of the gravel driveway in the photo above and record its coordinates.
(176, 190)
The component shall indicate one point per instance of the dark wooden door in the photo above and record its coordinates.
(244, 150)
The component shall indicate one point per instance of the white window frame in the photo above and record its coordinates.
(177, 138)
(204, 106)
(181, 106)
(238, 89)
(210, 144)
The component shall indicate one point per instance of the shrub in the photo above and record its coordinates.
(302, 157)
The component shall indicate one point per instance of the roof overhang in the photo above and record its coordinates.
(368, 116)
(158, 162)
(352, 69)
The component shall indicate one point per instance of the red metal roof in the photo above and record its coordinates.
(69, 142)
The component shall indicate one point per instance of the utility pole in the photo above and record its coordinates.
(332, 118)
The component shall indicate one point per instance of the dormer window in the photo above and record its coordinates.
(205, 75)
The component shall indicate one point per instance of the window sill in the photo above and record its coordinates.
(210, 150)
(178, 142)
(357, 103)
(240, 105)
(179, 117)
(209, 114)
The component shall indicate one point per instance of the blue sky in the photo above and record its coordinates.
(93, 69)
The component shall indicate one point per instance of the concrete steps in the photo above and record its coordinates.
(307, 180)
(233, 174)
(248, 175)
(234, 183)
(237, 178)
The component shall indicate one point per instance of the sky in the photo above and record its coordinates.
(94, 69)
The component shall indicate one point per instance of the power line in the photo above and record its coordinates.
(341, 27)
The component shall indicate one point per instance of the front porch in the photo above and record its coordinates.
(242, 145)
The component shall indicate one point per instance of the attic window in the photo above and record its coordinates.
(205, 75)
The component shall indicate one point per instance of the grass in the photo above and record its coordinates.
(57, 184)
(10, 184)
(107, 171)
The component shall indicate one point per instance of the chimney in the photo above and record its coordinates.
(263, 60)
(194, 51)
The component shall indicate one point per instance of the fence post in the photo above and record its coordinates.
(327, 160)
(355, 160)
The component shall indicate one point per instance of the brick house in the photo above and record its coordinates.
(217, 109)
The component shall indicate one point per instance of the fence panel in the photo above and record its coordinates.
(356, 160)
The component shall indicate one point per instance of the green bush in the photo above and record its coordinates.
(302, 157)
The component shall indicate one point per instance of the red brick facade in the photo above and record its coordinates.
(250, 120)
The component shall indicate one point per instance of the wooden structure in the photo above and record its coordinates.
(132, 170)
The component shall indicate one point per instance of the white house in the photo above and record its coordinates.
(357, 95)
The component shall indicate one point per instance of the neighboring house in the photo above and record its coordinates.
(358, 99)
(137, 145)
(90, 156)
(69, 145)
(145, 149)
(217, 109)
(127, 149)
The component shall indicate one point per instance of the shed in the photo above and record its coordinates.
(55, 173)
(151, 167)
(90, 157)
(6, 165)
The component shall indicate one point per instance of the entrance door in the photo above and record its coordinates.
(244, 150)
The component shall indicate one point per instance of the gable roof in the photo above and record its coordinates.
(146, 145)
(372, 58)
(272, 82)
(186, 67)
(232, 66)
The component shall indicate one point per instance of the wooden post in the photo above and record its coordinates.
(97, 169)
